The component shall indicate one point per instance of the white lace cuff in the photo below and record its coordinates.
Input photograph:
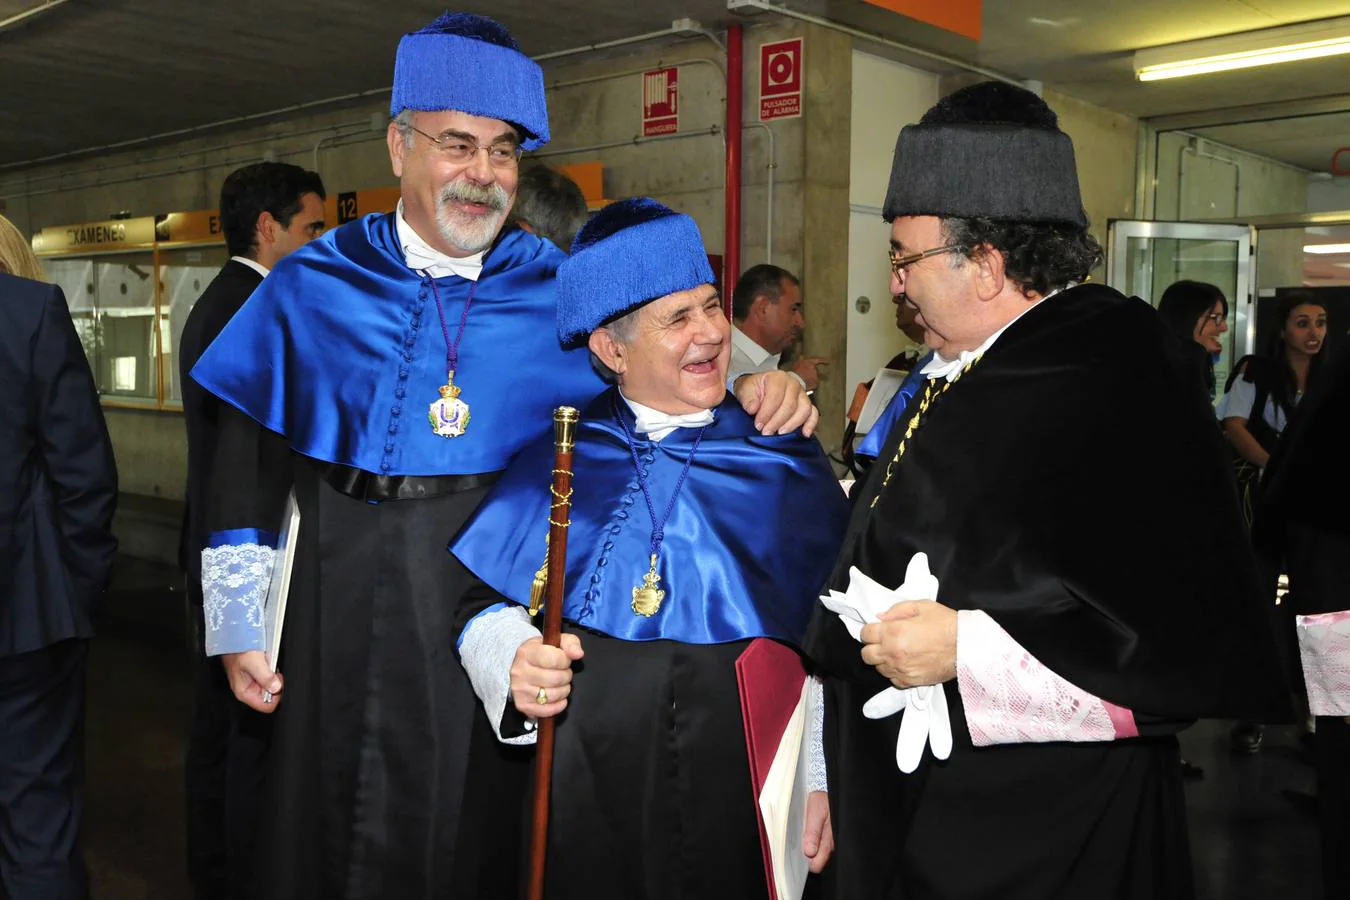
(816, 779)
(234, 586)
(1010, 697)
(487, 648)
(1324, 649)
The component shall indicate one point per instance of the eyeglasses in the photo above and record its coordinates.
(900, 263)
(1217, 318)
(460, 149)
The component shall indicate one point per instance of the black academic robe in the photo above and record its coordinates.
(227, 742)
(223, 297)
(1071, 485)
(377, 731)
(1302, 520)
(384, 779)
(652, 793)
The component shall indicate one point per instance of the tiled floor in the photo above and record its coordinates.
(1253, 834)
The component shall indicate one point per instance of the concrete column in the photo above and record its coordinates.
(828, 58)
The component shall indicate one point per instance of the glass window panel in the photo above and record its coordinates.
(75, 277)
(124, 291)
(1154, 263)
(184, 274)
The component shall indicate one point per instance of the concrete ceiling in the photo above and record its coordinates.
(86, 74)
(1306, 141)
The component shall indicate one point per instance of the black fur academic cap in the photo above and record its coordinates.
(993, 150)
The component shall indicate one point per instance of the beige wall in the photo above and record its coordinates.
(1105, 147)
(886, 97)
(1198, 180)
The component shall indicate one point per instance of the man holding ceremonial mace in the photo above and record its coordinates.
(692, 536)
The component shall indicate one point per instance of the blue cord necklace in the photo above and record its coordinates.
(449, 416)
(647, 596)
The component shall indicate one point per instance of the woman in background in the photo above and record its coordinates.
(1197, 313)
(58, 487)
(16, 256)
(1262, 395)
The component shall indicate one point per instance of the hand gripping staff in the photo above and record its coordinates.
(551, 585)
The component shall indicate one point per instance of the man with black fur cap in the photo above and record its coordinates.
(1094, 591)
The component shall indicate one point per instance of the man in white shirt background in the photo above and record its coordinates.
(766, 311)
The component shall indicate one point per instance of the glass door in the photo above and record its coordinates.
(1143, 258)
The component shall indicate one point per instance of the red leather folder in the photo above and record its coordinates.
(769, 676)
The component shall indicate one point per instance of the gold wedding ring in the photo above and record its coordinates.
(542, 697)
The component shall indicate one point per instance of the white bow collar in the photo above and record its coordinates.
(656, 424)
(422, 257)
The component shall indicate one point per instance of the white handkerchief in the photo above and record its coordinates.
(926, 721)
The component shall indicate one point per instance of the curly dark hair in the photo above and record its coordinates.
(1037, 256)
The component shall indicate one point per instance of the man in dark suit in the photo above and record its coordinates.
(58, 488)
(266, 210)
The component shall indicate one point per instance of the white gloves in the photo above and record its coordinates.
(926, 720)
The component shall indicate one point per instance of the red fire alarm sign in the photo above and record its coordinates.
(780, 80)
(660, 101)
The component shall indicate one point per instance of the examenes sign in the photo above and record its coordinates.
(780, 80)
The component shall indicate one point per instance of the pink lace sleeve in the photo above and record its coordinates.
(1011, 698)
(1324, 648)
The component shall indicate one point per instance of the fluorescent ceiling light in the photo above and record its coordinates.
(1327, 248)
(1288, 43)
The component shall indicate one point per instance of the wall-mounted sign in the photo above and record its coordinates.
(780, 80)
(339, 209)
(660, 101)
(115, 234)
(199, 227)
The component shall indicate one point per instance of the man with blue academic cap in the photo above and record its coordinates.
(385, 374)
(691, 536)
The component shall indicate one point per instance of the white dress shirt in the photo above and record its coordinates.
(748, 357)
(252, 264)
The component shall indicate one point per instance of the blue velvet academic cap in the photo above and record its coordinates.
(471, 64)
(628, 254)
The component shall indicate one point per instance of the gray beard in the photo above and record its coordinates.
(471, 234)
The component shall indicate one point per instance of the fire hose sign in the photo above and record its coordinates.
(780, 80)
(660, 101)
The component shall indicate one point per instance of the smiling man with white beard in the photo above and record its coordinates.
(385, 375)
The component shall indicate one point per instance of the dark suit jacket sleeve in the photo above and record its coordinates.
(75, 447)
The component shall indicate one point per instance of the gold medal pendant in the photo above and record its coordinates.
(449, 416)
(647, 597)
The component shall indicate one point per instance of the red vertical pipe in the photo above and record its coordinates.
(731, 255)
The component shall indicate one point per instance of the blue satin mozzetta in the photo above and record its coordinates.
(339, 350)
(870, 445)
(235, 537)
(749, 543)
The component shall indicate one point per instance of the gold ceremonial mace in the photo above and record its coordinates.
(559, 517)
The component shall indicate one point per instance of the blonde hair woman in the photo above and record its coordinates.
(16, 255)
